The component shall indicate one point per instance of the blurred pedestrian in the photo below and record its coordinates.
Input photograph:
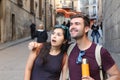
(56, 23)
(101, 35)
(64, 23)
(95, 33)
(32, 30)
(68, 24)
(41, 34)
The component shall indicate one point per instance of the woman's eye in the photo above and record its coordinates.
(52, 33)
(59, 34)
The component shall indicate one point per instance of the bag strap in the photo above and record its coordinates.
(64, 59)
(70, 48)
(98, 59)
(72, 45)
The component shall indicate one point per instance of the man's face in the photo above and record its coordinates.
(77, 28)
(95, 21)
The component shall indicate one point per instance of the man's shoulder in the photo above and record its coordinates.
(71, 46)
(103, 50)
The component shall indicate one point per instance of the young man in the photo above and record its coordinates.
(79, 27)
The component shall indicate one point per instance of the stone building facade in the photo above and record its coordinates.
(111, 26)
(15, 19)
(17, 15)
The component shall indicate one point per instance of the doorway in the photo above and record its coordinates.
(0, 17)
(13, 26)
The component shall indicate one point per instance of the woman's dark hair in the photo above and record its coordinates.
(47, 46)
(44, 52)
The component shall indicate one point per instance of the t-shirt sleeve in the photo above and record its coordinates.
(107, 60)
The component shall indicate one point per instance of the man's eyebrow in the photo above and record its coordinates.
(74, 22)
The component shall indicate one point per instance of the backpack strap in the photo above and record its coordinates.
(98, 59)
(64, 59)
(70, 48)
(72, 45)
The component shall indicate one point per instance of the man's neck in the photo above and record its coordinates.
(83, 43)
(95, 24)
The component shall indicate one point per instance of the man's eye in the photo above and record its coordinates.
(71, 24)
(77, 23)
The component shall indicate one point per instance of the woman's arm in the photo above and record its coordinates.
(65, 67)
(35, 48)
(29, 65)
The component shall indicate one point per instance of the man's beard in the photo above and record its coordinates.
(78, 37)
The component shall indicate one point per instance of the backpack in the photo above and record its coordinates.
(103, 75)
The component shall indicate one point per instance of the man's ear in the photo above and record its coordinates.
(87, 28)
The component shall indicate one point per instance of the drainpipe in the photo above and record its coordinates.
(72, 5)
(45, 15)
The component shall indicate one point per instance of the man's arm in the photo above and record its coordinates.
(114, 73)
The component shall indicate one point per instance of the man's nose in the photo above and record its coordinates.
(72, 26)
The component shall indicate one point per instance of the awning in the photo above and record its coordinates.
(67, 13)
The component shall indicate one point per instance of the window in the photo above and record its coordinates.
(40, 9)
(13, 26)
(94, 11)
(84, 2)
(20, 3)
(32, 6)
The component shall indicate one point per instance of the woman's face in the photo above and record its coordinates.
(57, 37)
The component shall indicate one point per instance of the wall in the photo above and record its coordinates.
(22, 20)
(111, 26)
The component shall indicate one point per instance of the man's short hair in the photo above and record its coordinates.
(84, 17)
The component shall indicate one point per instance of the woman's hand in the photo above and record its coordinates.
(33, 45)
(87, 78)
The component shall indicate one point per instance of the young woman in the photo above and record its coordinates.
(49, 60)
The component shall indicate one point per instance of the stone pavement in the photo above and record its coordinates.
(12, 43)
(13, 60)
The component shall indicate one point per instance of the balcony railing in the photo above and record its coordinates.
(65, 5)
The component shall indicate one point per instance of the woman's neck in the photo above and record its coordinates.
(54, 50)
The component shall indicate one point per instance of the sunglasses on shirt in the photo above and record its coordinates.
(79, 58)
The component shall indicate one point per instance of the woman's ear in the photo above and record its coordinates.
(64, 41)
